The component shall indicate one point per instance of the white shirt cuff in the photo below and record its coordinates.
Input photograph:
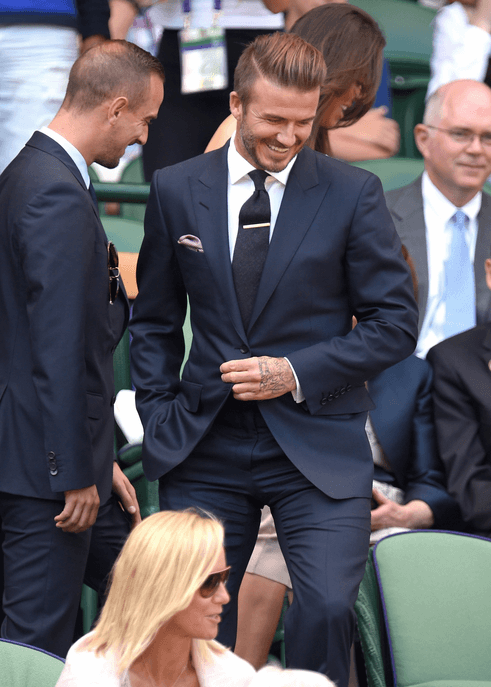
(298, 396)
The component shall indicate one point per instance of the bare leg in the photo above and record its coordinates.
(260, 604)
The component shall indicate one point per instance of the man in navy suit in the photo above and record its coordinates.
(63, 310)
(271, 407)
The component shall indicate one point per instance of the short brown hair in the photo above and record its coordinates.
(283, 59)
(352, 45)
(109, 70)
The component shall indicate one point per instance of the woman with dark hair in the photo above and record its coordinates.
(352, 45)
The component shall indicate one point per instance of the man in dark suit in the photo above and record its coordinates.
(63, 310)
(455, 141)
(462, 398)
(271, 407)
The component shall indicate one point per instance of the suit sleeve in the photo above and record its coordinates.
(425, 478)
(381, 297)
(157, 348)
(467, 467)
(56, 249)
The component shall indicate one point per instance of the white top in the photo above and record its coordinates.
(460, 50)
(70, 150)
(438, 211)
(85, 669)
(235, 14)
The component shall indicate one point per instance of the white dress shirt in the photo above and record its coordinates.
(241, 187)
(438, 211)
(460, 49)
(70, 149)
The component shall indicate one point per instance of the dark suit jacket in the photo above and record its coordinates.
(404, 425)
(334, 253)
(406, 207)
(462, 396)
(58, 330)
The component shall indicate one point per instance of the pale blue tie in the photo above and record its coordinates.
(460, 296)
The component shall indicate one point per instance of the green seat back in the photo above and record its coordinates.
(407, 28)
(23, 666)
(394, 172)
(126, 234)
(436, 592)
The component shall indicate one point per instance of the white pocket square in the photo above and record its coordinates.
(191, 242)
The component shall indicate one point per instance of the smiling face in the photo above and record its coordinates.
(457, 169)
(274, 125)
(201, 618)
(131, 125)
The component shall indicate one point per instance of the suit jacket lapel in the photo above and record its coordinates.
(302, 191)
(209, 193)
(409, 211)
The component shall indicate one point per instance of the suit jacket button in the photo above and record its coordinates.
(348, 387)
(337, 394)
(53, 471)
(51, 455)
(323, 401)
(342, 390)
(244, 350)
(330, 397)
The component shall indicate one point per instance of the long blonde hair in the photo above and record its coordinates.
(163, 563)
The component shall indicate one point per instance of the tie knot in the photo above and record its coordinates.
(460, 219)
(258, 176)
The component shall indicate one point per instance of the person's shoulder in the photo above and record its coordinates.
(194, 166)
(459, 348)
(337, 171)
(85, 667)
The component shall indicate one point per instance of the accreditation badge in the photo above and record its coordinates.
(203, 60)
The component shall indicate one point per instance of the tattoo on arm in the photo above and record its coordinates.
(275, 375)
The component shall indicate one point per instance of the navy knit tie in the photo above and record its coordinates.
(252, 245)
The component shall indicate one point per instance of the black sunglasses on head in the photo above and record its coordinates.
(213, 581)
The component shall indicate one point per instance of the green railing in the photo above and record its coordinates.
(121, 193)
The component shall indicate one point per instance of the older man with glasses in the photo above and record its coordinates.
(444, 218)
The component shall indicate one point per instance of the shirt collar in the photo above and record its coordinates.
(70, 149)
(442, 206)
(239, 167)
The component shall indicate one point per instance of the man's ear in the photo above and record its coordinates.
(236, 107)
(421, 135)
(487, 267)
(116, 107)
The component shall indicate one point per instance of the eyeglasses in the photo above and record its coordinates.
(213, 581)
(113, 269)
(464, 137)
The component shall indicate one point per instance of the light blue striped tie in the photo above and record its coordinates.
(460, 295)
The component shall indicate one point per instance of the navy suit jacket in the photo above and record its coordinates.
(334, 253)
(404, 425)
(462, 395)
(58, 330)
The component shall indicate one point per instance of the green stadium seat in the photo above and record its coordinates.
(407, 28)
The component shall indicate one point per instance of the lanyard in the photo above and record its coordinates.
(186, 10)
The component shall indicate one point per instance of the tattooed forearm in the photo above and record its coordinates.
(276, 376)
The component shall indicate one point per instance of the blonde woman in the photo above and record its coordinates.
(162, 612)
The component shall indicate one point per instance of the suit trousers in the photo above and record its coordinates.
(236, 469)
(46, 567)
